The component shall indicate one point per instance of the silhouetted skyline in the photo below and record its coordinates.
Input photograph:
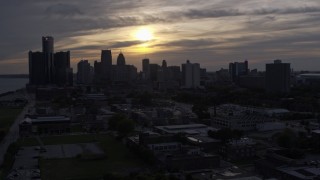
(212, 33)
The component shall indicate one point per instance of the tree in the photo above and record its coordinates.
(125, 126)
(287, 139)
(201, 109)
(122, 124)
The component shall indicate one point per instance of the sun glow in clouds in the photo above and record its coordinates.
(144, 34)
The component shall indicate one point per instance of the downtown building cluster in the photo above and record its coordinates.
(276, 78)
(159, 76)
(48, 67)
(106, 72)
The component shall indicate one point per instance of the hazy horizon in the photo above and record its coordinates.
(212, 33)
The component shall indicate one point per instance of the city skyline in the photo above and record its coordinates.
(211, 33)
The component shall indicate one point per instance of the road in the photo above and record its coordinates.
(13, 133)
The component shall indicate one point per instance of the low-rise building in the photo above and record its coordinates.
(237, 117)
(189, 129)
(172, 152)
(44, 126)
(277, 165)
(243, 148)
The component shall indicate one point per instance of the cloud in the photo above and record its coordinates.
(296, 10)
(224, 29)
(189, 43)
(123, 44)
(205, 13)
(217, 13)
(63, 10)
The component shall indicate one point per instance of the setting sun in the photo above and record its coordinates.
(144, 34)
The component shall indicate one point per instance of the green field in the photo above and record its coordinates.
(118, 158)
(66, 139)
(7, 117)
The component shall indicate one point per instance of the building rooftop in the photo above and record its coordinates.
(47, 119)
(191, 129)
(302, 172)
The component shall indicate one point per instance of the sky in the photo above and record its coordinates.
(210, 32)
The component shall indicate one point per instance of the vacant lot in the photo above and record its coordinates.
(118, 158)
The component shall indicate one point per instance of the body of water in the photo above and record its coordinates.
(12, 84)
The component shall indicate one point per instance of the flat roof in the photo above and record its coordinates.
(302, 172)
(191, 129)
(311, 74)
(184, 126)
(49, 119)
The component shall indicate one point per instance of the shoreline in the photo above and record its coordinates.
(11, 92)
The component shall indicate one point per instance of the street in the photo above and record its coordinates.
(13, 133)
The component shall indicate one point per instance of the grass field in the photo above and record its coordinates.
(7, 117)
(52, 140)
(118, 158)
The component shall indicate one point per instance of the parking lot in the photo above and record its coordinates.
(26, 165)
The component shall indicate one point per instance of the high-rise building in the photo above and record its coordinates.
(163, 74)
(278, 77)
(106, 57)
(164, 64)
(37, 73)
(174, 73)
(47, 44)
(121, 61)
(191, 75)
(97, 70)
(237, 69)
(146, 68)
(48, 50)
(154, 68)
(49, 68)
(85, 72)
(103, 69)
(63, 72)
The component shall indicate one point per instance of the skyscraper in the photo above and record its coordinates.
(237, 69)
(164, 64)
(48, 50)
(63, 72)
(121, 61)
(85, 72)
(106, 57)
(98, 73)
(146, 68)
(153, 69)
(191, 75)
(37, 73)
(278, 77)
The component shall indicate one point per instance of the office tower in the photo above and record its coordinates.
(278, 77)
(237, 69)
(47, 49)
(154, 68)
(97, 70)
(103, 69)
(85, 72)
(146, 68)
(163, 74)
(62, 68)
(191, 75)
(47, 44)
(164, 64)
(121, 61)
(121, 72)
(106, 57)
(37, 73)
(174, 73)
